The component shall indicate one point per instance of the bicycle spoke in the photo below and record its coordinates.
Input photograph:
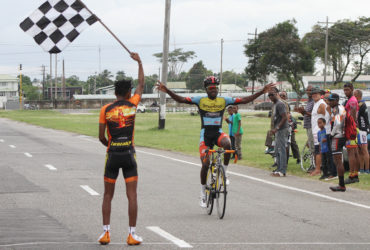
(221, 192)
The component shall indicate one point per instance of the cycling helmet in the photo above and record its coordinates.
(211, 80)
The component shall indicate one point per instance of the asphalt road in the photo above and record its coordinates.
(51, 186)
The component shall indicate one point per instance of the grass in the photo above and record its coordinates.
(181, 134)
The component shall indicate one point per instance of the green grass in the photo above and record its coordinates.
(181, 134)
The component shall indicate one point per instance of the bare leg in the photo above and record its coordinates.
(131, 188)
(204, 169)
(226, 144)
(107, 201)
(352, 160)
(317, 170)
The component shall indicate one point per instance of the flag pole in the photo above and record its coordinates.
(105, 26)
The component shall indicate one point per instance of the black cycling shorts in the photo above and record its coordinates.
(116, 160)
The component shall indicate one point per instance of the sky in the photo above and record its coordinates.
(196, 25)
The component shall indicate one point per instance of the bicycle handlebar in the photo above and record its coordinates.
(228, 151)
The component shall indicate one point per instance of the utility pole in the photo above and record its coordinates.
(20, 88)
(64, 84)
(95, 84)
(51, 78)
(43, 82)
(56, 77)
(326, 48)
(99, 59)
(166, 42)
(254, 57)
(222, 53)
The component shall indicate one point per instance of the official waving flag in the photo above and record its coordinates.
(56, 23)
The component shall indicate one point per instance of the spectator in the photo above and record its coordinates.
(338, 115)
(318, 111)
(352, 108)
(281, 132)
(306, 112)
(326, 157)
(293, 126)
(363, 126)
(237, 131)
(230, 122)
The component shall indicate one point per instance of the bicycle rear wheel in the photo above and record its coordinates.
(307, 159)
(221, 192)
(210, 190)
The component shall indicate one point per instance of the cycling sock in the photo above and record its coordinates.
(203, 190)
(131, 230)
(106, 227)
(341, 181)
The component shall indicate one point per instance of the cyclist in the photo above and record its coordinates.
(211, 109)
(119, 120)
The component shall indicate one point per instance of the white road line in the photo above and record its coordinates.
(89, 190)
(12, 146)
(28, 154)
(1, 140)
(271, 183)
(170, 237)
(50, 167)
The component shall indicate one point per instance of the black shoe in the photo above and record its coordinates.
(298, 161)
(338, 189)
(351, 180)
(324, 176)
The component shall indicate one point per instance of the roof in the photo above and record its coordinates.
(7, 78)
(230, 87)
(176, 85)
(347, 78)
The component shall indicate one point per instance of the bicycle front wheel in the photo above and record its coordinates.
(210, 190)
(307, 159)
(221, 192)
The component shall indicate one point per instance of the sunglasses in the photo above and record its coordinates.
(270, 95)
(211, 87)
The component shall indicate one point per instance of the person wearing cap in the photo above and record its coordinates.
(363, 126)
(338, 141)
(318, 111)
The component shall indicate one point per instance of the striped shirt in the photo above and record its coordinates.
(307, 118)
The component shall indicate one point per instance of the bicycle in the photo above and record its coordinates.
(307, 159)
(216, 182)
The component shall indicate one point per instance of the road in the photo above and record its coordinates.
(51, 187)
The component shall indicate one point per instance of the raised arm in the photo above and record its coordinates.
(161, 87)
(140, 87)
(251, 98)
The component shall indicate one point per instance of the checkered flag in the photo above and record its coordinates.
(56, 23)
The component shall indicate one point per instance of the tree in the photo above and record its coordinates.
(176, 60)
(120, 75)
(281, 51)
(30, 92)
(348, 44)
(231, 77)
(196, 76)
(74, 81)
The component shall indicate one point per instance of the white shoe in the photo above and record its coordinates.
(134, 239)
(202, 202)
(227, 181)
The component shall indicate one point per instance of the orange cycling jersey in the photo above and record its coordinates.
(120, 120)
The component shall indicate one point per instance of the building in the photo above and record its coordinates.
(230, 88)
(70, 92)
(107, 90)
(318, 81)
(9, 89)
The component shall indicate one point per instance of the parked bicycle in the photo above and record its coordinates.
(216, 182)
(307, 159)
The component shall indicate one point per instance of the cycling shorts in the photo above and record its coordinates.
(209, 141)
(116, 160)
(351, 143)
(337, 145)
(362, 137)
